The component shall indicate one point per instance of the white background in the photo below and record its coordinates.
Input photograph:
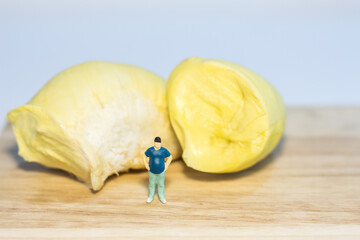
(309, 50)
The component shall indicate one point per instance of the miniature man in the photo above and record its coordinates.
(157, 161)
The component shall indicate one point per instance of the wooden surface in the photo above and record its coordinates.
(308, 188)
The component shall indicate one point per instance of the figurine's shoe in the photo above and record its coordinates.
(149, 200)
(163, 200)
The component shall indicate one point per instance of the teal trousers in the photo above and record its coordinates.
(159, 180)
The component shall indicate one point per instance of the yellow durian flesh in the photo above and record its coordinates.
(225, 116)
(95, 119)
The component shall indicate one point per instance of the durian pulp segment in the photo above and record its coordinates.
(220, 116)
(94, 119)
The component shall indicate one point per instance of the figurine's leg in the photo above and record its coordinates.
(152, 182)
(161, 187)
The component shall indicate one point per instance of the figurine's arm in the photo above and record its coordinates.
(167, 162)
(146, 163)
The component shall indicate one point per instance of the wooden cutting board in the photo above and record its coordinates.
(308, 188)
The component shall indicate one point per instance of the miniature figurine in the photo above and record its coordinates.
(157, 161)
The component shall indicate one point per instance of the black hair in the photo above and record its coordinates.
(157, 139)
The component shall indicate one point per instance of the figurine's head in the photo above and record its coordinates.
(157, 142)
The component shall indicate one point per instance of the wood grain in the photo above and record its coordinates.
(308, 188)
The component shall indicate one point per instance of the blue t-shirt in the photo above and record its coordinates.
(157, 161)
